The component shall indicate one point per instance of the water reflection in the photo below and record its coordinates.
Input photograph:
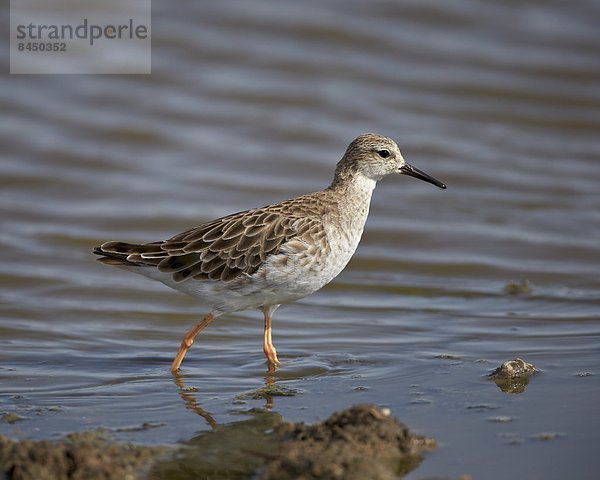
(271, 390)
(268, 392)
(513, 385)
(231, 451)
(189, 397)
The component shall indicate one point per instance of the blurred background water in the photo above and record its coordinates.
(250, 103)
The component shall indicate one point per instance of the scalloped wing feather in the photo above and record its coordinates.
(225, 248)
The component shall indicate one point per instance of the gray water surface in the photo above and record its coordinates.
(251, 103)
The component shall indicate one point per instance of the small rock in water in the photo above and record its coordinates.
(11, 417)
(513, 376)
(545, 436)
(514, 369)
(517, 288)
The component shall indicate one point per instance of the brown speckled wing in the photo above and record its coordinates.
(225, 248)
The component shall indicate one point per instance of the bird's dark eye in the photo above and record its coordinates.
(383, 153)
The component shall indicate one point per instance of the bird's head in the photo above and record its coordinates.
(376, 156)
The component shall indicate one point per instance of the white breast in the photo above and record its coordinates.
(345, 227)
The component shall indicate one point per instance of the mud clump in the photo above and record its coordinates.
(518, 288)
(357, 443)
(10, 418)
(361, 442)
(80, 456)
(513, 376)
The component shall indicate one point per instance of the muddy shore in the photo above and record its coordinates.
(362, 441)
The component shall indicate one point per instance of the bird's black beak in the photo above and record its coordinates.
(411, 171)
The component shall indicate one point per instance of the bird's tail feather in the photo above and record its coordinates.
(123, 254)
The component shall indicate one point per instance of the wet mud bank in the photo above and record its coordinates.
(79, 456)
(362, 441)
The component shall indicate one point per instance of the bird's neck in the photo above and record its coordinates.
(353, 201)
(354, 186)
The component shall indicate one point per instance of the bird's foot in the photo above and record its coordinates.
(271, 355)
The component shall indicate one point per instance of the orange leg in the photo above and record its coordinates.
(188, 340)
(268, 346)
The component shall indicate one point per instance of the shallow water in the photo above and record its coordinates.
(249, 104)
